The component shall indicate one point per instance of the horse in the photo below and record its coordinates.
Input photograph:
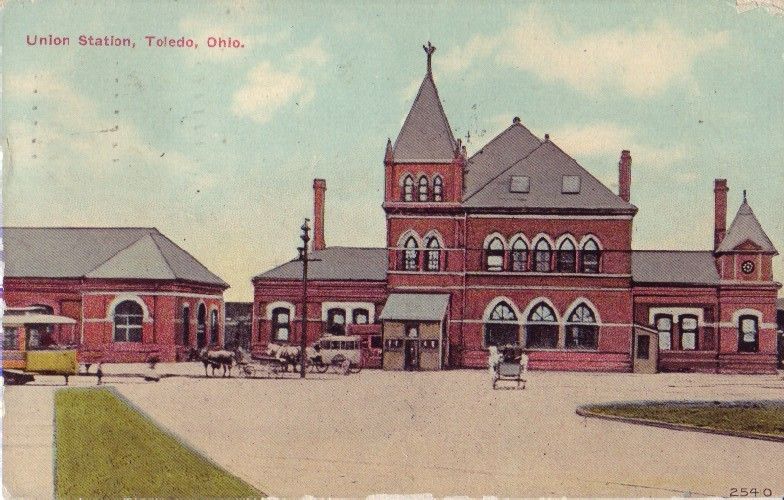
(216, 359)
(286, 353)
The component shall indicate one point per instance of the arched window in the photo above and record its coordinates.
(128, 316)
(438, 188)
(541, 330)
(423, 188)
(408, 188)
(589, 261)
(336, 321)
(663, 324)
(542, 255)
(433, 254)
(411, 255)
(748, 333)
(582, 331)
(201, 326)
(494, 255)
(214, 327)
(519, 255)
(501, 327)
(185, 338)
(567, 257)
(360, 316)
(281, 324)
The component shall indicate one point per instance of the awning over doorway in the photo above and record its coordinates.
(415, 307)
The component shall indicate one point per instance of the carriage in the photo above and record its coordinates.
(30, 346)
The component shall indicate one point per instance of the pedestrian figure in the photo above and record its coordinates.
(492, 361)
(99, 373)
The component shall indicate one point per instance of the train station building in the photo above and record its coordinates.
(133, 293)
(516, 244)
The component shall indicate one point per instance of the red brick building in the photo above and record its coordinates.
(133, 292)
(530, 250)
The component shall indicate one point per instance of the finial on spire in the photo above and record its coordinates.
(429, 49)
(744, 196)
(388, 155)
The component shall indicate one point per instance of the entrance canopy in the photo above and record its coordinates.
(415, 307)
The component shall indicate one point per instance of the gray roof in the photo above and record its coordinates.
(674, 267)
(336, 264)
(545, 166)
(507, 148)
(745, 227)
(415, 307)
(425, 135)
(106, 252)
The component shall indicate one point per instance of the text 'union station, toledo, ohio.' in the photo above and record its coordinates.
(517, 245)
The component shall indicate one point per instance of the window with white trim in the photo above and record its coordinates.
(541, 329)
(542, 255)
(281, 324)
(589, 257)
(128, 318)
(567, 255)
(501, 327)
(433, 254)
(423, 188)
(408, 188)
(688, 327)
(519, 255)
(748, 333)
(663, 324)
(582, 331)
(494, 255)
(438, 189)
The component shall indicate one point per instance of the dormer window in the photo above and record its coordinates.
(570, 184)
(520, 184)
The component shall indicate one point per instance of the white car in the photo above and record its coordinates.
(334, 346)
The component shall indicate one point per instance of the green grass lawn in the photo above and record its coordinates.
(105, 448)
(755, 417)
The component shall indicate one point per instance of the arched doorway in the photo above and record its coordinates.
(201, 327)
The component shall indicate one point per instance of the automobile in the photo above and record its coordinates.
(335, 348)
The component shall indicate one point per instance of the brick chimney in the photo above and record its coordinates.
(719, 211)
(319, 190)
(625, 176)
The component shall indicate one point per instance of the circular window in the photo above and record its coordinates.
(747, 267)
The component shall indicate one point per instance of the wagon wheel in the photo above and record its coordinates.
(320, 367)
(337, 361)
(247, 370)
(355, 367)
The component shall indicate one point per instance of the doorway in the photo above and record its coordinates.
(645, 351)
(411, 358)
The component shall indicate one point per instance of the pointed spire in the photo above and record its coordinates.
(388, 156)
(429, 49)
(746, 227)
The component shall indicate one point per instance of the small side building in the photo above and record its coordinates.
(133, 293)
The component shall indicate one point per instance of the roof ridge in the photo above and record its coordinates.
(163, 255)
(189, 255)
(115, 254)
(499, 135)
(501, 173)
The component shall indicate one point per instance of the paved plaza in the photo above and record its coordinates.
(443, 433)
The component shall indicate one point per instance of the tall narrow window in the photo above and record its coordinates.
(688, 327)
(410, 255)
(128, 316)
(423, 188)
(541, 330)
(214, 327)
(336, 321)
(433, 254)
(408, 188)
(567, 255)
(748, 334)
(589, 259)
(186, 326)
(501, 327)
(542, 254)
(494, 255)
(582, 332)
(663, 323)
(281, 324)
(438, 189)
(519, 255)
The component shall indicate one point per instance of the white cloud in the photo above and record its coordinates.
(642, 63)
(268, 89)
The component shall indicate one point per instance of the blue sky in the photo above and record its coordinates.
(218, 148)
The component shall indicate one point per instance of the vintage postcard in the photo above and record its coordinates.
(365, 248)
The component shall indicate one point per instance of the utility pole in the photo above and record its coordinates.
(303, 340)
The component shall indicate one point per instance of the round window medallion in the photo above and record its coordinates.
(747, 267)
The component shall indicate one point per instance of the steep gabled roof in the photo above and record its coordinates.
(336, 264)
(105, 252)
(426, 134)
(674, 267)
(746, 228)
(507, 148)
(545, 167)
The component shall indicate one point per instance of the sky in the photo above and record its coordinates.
(217, 148)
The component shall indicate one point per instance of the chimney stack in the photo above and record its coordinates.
(625, 176)
(719, 211)
(319, 190)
